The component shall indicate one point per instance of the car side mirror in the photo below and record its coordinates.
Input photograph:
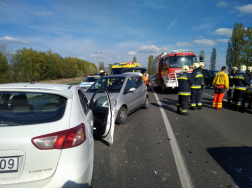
(131, 89)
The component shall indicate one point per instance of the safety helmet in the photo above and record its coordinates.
(101, 71)
(234, 69)
(195, 66)
(185, 68)
(249, 68)
(202, 65)
(243, 68)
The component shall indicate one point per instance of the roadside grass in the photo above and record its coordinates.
(62, 81)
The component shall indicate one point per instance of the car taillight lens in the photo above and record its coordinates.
(61, 140)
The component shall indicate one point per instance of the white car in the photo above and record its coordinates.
(88, 81)
(46, 135)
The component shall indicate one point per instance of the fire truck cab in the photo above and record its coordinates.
(168, 66)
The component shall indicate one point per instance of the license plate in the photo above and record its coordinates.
(8, 164)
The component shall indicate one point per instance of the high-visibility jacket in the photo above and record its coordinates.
(184, 84)
(241, 80)
(221, 78)
(198, 79)
(231, 80)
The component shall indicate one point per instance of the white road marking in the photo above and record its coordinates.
(213, 96)
(180, 163)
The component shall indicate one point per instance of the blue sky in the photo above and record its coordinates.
(122, 29)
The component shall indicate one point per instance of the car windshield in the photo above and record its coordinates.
(134, 70)
(26, 108)
(112, 84)
(180, 61)
(91, 79)
(116, 71)
(212, 73)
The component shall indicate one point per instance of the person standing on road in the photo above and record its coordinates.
(184, 90)
(249, 73)
(102, 73)
(241, 80)
(195, 88)
(201, 67)
(231, 83)
(220, 84)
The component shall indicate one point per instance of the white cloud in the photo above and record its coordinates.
(81, 58)
(222, 40)
(232, 11)
(200, 37)
(152, 49)
(118, 57)
(109, 58)
(184, 44)
(223, 31)
(95, 55)
(203, 26)
(172, 24)
(10, 39)
(131, 53)
(222, 4)
(44, 13)
(204, 42)
(246, 9)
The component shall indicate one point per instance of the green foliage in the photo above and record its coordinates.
(42, 66)
(239, 51)
(202, 55)
(4, 69)
(101, 65)
(150, 65)
(134, 59)
(110, 66)
(213, 60)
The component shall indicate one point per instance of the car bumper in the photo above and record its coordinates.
(74, 170)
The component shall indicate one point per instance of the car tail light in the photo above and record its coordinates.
(61, 140)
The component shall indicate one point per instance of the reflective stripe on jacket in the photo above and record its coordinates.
(184, 83)
(241, 80)
(198, 79)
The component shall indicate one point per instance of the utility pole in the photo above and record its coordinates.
(97, 61)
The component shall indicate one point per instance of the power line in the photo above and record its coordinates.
(39, 27)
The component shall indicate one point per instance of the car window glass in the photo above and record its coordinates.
(83, 102)
(130, 84)
(138, 81)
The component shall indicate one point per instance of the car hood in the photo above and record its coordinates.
(112, 96)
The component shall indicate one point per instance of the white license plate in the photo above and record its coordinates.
(8, 164)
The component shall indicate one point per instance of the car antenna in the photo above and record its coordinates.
(31, 78)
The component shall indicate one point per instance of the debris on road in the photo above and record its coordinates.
(214, 172)
(155, 172)
(163, 178)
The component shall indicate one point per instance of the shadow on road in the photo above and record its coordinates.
(236, 161)
(75, 185)
(96, 138)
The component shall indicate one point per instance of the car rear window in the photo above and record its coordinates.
(27, 108)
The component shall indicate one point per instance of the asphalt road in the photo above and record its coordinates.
(216, 146)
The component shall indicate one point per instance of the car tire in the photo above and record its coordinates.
(146, 102)
(122, 115)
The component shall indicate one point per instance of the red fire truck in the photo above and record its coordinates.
(167, 67)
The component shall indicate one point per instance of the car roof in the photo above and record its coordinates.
(94, 76)
(60, 89)
(116, 75)
(133, 73)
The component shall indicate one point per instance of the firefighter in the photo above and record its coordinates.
(102, 73)
(231, 83)
(184, 90)
(248, 71)
(241, 80)
(195, 88)
(201, 67)
(220, 84)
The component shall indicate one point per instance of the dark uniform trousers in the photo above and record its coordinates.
(183, 102)
(238, 98)
(195, 97)
(229, 94)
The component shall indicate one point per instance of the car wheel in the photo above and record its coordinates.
(146, 103)
(122, 115)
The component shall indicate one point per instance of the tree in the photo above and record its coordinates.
(4, 68)
(101, 65)
(134, 59)
(110, 66)
(213, 60)
(202, 55)
(248, 47)
(229, 56)
(150, 64)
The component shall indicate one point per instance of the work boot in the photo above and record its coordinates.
(178, 110)
(200, 108)
(192, 108)
(185, 114)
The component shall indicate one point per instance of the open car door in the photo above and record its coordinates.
(104, 118)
